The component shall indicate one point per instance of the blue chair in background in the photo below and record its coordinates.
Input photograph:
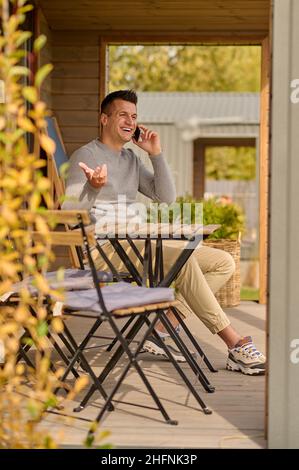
(55, 162)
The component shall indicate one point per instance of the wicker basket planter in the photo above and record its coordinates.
(229, 294)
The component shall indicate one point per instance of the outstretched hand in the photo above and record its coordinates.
(97, 177)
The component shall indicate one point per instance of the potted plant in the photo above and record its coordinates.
(231, 217)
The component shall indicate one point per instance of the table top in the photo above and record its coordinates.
(156, 230)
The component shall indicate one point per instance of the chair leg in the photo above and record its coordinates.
(193, 340)
(127, 262)
(186, 353)
(22, 354)
(111, 363)
(134, 362)
(180, 371)
(160, 407)
(61, 354)
(75, 349)
(188, 356)
(79, 355)
(23, 350)
(124, 328)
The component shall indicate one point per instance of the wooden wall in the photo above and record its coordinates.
(45, 57)
(264, 169)
(75, 86)
(71, 91)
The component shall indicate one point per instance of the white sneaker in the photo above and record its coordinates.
(244, 357)
(153, 346)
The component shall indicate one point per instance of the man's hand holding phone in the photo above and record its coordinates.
(137, 133)
(147, 140)
(97, 177)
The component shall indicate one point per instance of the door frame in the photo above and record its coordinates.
(118, 38)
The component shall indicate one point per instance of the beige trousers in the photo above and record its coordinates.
(206, 271)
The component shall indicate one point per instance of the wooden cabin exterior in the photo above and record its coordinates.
(78, 37)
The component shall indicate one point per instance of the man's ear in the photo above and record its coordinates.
(103, 119)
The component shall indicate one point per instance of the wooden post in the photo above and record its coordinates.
(264, 168)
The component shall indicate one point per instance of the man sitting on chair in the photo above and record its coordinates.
(102, 170)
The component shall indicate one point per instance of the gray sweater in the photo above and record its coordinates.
(126, 176)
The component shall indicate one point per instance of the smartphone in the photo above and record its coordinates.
(136, 134)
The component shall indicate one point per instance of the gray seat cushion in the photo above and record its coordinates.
(73, 279)
(116, 296)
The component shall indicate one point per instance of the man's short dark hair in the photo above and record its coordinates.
(126, 95)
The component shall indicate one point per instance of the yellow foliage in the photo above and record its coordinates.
(57, 325)
(43, 184)
(15, 203)
(8, 269)
(9, 216)
(25, 177)
(41, 225)
(26, 124)
(22, 185)
(41, 283)
(12, 345)
(40, 109)
(5, 286)
(9, 328)
(21, 314)
(20, 369)
(47, 143)
(80, 383)
(2, 122)
(34, 201)
(30, 94)
(42, 313)
(29, 261)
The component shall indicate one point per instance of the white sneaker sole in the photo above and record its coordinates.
(156, 351)
(231, 365)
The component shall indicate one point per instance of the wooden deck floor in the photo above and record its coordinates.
(237, 404)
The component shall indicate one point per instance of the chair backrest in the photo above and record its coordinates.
(70, 217)
(70, 238)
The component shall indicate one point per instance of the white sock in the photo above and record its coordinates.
(163, 334)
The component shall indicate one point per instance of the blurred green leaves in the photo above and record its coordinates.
(185, 68)
(216, 211)
(230, 163)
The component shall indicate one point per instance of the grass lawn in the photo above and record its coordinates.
(249, 293)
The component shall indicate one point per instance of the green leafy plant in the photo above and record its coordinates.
(228, 214)
(219, 211)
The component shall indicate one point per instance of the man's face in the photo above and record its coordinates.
(120, 122)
